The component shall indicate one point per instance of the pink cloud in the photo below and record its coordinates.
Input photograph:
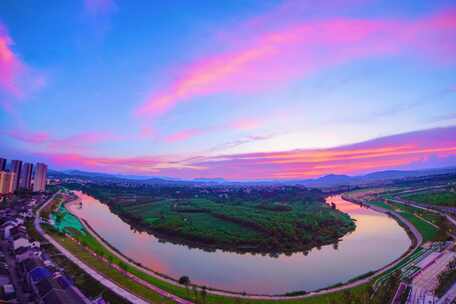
(146, 132)
(139, 165)
(421, 149)
(10, 65)
(78, 141)
(183, 135)
(279, 56)
(245, 124)
(17, 80)
(29, 137)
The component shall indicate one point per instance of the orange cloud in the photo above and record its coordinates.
(421, 149)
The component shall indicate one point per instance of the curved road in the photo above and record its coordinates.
(93, 273)
(417, 235)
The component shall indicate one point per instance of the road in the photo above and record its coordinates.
(261, 297)
(93, 273)
(412, 204)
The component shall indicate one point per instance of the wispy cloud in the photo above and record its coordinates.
(78, 142)
(281, 55)
(17, 80)
(10, 65)
(426, 148)
(183, 135)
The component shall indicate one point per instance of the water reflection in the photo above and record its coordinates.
(376, 241)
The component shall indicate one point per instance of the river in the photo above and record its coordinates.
(376, 241)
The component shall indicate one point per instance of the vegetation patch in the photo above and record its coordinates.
(442, 198)
(257, 220)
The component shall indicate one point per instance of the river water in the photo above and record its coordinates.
(377, 241)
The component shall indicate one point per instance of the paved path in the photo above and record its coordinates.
(263, 297)
(93, 273)
(412, 204)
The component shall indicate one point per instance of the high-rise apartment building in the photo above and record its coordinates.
(7, 182)
(25, 181)
(16, 167)
(40, 179)
(2, 164)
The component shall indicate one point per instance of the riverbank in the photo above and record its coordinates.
(111, 278)
(339, 288)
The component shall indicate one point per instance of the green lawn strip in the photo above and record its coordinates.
(107, 270)
(444, 198)
(176, 290)
(88, 285)
(429, 216)
(427, 231)
(381, 204)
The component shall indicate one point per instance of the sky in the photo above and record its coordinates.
(236, 89)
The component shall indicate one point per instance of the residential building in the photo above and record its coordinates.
(25, 181)
(40, 179)
(16, 166)
(7, 180)
(2, 164)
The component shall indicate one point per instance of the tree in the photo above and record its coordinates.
(347, 297)
(204, 294)
(195, 292)
(59, 217)
(123, 266)
(184, 280)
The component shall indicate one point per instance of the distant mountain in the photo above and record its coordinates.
(210, 180)
(335, 179)
(330, 180)
(339, 180)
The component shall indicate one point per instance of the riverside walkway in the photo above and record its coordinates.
(359, 282)
(93, 273)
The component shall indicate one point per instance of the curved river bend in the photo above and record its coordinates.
(377, 241)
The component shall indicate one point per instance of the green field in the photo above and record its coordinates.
(416, 216)
(444, 198)
(102, 263)
(258, 220)
(359, 294)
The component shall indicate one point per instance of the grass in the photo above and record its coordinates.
(108, 271)
(444, 198)
(248, 226)
(88, 240)
(136, 288)
(427, 231)
(88, 285)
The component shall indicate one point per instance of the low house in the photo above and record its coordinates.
(20, 240)
(59, 289)
(8, 292)
(24, 253)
